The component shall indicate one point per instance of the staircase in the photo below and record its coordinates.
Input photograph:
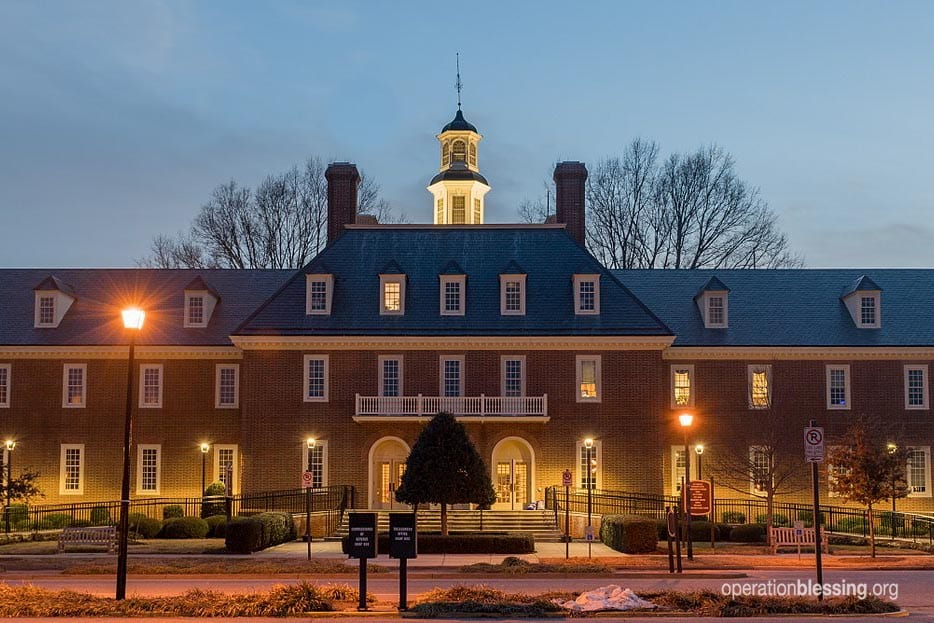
(539, 523)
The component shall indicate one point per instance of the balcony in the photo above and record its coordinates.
(466, 408)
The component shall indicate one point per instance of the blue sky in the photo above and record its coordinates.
(117, 119)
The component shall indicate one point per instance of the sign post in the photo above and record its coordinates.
(814, 454)
(567, 479)
(362, 537)
(307, 480)
(403, 544)
(672, 530)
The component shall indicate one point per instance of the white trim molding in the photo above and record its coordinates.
(447, 342)
(579, 391)
(835, 403)
(910, 385)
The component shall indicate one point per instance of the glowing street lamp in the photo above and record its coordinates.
(310, 445)
(132, 321)
(588, 445)
(892, 447)
(699, 449)
(10, 446)
(205, 448)
(687, 420)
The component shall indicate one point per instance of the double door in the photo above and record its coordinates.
(388, 476)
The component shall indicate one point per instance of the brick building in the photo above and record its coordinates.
(516, 329)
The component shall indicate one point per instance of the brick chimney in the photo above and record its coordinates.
(569, 197)
(343, 180)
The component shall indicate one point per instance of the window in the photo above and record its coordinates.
(316, 461)
(439, 212)
(838, 387)
(45, 313)
(512, 295)
(473, 154)
(452, 376)
(318, 291)
(71, 470)
(225, 467)
(677, 468)
(716, 311)
(477, 212)
(390, 375)
(918, 472)
(195, 314)
(513, 371)
(316, 378)
(591, 468)
(459, 151)
(392, 294)
(458, 210)
(867, 310)
(150, 386)
(4, 385)
(453, 289)
(588, 378)
(760, 386)
(682, 380)
(227, 386)
(760, 472)
(74, 389)
(916, 387)
(586, 294)
(147, 476)
(445, 154)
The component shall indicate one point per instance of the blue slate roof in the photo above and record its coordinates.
(862, 284)
(790, 307)
(547, 254)
(100, 294)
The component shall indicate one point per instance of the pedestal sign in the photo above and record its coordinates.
(699, 497)
(403, 544)
(362, 545)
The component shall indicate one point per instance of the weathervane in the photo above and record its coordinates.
(458, 84)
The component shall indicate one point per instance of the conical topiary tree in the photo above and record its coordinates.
(445, 468)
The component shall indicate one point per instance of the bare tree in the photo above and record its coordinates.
(282, 224)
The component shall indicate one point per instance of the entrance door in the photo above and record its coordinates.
(512, 485)
(388, 475)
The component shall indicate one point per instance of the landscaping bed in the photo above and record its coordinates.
(516, 566)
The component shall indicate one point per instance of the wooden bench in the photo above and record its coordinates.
(787, 537)
(102, 535)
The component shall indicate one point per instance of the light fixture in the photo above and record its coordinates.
(310, 442)
(699, 448)
(205, 448)
(10, 445)
(891, 447)
(133, 318)
(588, 443)
(686, 419)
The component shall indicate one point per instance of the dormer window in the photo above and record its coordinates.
(713, 303)
(318, 294)
(453, 295)
(586, 294)
(512, 295)
(53, 299)
(863, 299)
(200, 301)
(716, 311)
(46, 312)
(392, 295)
(195, 313)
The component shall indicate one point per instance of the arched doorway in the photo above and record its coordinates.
(387, 464)
(513, 469)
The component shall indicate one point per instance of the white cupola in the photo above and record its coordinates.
(458, 189)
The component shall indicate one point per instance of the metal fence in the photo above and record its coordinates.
(834, 519)
(330, 502)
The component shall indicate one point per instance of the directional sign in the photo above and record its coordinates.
(699, 497)
(362, 537)
(814, 444)
(567, 478)
(307, 479)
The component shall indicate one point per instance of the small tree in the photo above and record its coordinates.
(22, 488)
(866, 471)
(445, 468)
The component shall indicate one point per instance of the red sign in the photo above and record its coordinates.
(567, 478)
(307, 479)
(699, 497)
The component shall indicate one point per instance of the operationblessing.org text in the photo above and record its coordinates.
(810, 588)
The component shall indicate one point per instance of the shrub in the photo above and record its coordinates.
(734, 517)
(778, 520)
(630, 534)
(919, 527)
(145, 526)
(214, 500)
(217, 525)
(17, 513)
(172, 511)
(487, 543)
(55, 521)
(723, 531)
(700, 531)
(748, 533)
(100, 516)
(807, 517)
(856, 525)
(245, 535)
(184, 528)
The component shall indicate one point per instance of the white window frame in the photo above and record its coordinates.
(84, 385)
(462, 281)
(328, 281)
(706, 304)
(753, 450)
(139, 469)
(61, 469)
(578, 281)
(387, 279)
(689, 368)
(323, 445)
(877, 306)
(327, 378)
(502, 373)
(462, 383)
(579, 450)
(675, 475)
(598, 374)
(924, 391)
(382, 372)
(846, 380)
(37, 322)
(217, 385)
(235, 473)
(7, 385)
(751, 369)
(510, 278)
(188, 324)
(927, 472)
(143, 367)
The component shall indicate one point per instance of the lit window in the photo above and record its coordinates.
(227, 388)
(838, 387)
(512, 295)
(150, 386)
(452, 376)
(439, 212)
(588, 378)
(458, 210)
(513, 376)
(473, 154)
(74, 388)
(588, 468)
(918, 473)
(316, 463)
(916, 387)
(477, 212)
(390, 376)
(445, 154)
(147, 479)
(71, 471)
(682, 394)
(392, 294)
(459, 151)
(760, 393)
(4, 385)
(452, 295)
(316, 378)
(677, 468)
(225, 467)
(760, 472)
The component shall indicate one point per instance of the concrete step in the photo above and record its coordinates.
(538, 522)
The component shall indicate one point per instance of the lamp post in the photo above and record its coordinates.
(892, 448)
(686, 420)
(10, 446)
(699, 449)
(588, 445)
(133, 322)
(205, 448)
(310, 444)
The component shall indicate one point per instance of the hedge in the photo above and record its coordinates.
(748, 533)
(172, 511)
(54, 521)
(145, 526)
(778, 519)
(100, 516)
(184, 528)
(213, 502)
(630, 534)
(734, 517)
(245, 535)
(488, 543)
(217, 525)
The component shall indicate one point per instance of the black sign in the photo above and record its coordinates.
(362, 535)
(403, 540)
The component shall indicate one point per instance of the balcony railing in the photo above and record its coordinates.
(463, 407)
